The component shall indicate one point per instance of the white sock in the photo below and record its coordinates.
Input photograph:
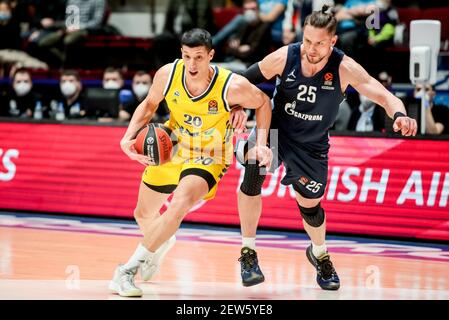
(138, 257)
(249, 242)
(318, 251)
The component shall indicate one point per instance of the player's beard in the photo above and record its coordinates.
(316, 59)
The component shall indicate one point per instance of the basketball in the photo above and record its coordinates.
(155, 141)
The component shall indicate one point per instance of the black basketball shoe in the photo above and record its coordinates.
(326, 277)
(251, 273)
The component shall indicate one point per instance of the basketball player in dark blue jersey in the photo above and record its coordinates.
(311, 78)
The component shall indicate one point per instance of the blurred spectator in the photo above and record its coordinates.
(369, 116)
(351, 28)
(238, 22)
(71, 104)
(82, 17)
(295, 14)
(47, 17)
(382, 36)
(437, 115)
(250, 43)
(385, 79)
(141, 84)
(293, 20)
(113, 80)
(270, 11)
(20, 97)
(9, 27)
(10, 41)
(182, 15)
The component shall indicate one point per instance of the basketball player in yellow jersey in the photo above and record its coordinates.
(200, 98)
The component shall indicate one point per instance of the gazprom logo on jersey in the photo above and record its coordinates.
(290, 109)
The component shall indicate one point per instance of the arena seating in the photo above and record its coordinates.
(223, 16)
(101, 51)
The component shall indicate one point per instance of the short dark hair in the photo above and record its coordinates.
(113, 70)
(141, 73)
(197, 37)
(20, 70)
(71, 72)
(321, 19)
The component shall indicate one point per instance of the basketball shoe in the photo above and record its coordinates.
(326, 277)
(123, 282)
(250, 270)
(151, 266)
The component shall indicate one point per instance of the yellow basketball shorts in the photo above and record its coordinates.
(165, 178)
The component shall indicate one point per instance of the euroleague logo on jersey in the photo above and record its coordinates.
(213, 107)
(303, 180)
(328, 78)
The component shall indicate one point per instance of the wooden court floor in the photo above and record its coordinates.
(53, 258)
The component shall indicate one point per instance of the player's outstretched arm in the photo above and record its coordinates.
(354, 74)
(242, 93)
(144, 112)
(270, 66)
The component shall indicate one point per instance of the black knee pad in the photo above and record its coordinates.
(252, 180)
(313, 216)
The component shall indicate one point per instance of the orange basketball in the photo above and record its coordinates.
(157, 142)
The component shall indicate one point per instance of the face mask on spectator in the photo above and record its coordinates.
(111, 84)
(22, 88)
(250, 15)
(68, 89)
(5, 16)
(141, 90)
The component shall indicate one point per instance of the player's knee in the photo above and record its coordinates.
(252, 180)
(142, 214)
(180, 205)
(314, 216)
(138, 214)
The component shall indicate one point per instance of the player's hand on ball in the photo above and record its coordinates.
(406, 125)
(264, 155)
(129, 149)
(238, 120)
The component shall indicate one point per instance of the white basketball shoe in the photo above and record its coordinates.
(123, 282)
(151, 266)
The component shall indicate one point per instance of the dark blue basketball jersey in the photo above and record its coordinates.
(306, 107)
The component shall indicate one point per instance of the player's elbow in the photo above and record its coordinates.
(147, 107)
(265, 102)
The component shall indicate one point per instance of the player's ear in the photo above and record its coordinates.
(211, 54)
(334, 40)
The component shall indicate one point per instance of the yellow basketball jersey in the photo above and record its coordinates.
(202, 122)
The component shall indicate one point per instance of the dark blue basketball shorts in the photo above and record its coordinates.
(306, 163)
